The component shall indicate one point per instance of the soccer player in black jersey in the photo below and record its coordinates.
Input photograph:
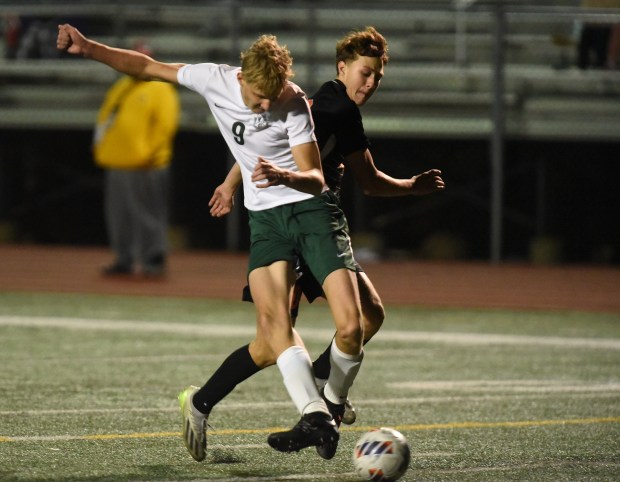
(360, 60)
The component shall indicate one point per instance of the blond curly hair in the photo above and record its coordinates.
(267, 65)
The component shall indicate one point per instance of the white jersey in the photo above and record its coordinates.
(249, 135)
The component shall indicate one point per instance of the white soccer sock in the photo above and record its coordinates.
(343, 371)
(320, 382)
(296, 368)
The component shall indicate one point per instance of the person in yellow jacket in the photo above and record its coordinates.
(133, 142)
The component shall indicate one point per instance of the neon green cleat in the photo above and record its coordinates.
(194, 425)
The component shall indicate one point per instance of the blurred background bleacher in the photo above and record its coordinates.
(534, 184)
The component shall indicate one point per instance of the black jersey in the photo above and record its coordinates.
(338, 128)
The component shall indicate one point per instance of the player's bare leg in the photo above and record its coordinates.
(346, 353)
(271, 287)
(373, 314)
(372, 306)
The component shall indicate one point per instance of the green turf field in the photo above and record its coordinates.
(89, 383)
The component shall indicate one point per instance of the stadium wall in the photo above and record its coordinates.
(560, 201)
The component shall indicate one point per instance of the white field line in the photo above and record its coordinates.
(512, 386)
(150, 359)
(521, 467)
(213, 331)
(365, 403)
(92, 324)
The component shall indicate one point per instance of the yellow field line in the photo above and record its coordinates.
(402, 428)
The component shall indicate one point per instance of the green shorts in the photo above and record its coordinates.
(315, 229)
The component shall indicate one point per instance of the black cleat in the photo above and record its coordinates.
(328, 450)
(336, 410)
(314, 429)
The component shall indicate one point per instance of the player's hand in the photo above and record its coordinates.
(267, 174)
(70, 39)
(428, 182)
(222, 201)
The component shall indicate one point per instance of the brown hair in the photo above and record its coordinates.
(267, 65)
(365, 43)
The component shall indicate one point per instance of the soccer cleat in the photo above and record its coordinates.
(350, 415)
(194, 425)
(328, 450)
(335, 409)
(313, 429)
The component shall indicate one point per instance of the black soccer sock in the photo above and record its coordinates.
(238, 367)
(322, 365)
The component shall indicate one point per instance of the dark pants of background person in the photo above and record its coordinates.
(136, 209)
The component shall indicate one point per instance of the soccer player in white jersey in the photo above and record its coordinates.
(360, 60)
(266, 122)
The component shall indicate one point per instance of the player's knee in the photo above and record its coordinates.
(351, 336)
(374, 315)
(269, 324)
(377, 315)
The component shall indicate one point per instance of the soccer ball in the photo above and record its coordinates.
(381, 455)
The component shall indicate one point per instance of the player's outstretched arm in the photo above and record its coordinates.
(377, 183)
(128, 62)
